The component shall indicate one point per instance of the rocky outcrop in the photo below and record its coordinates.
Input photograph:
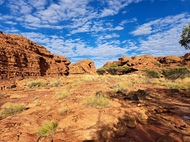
(187, 59)
(20, 57)
(170, 61)
(148, 61)
(187, 56)
(85, 66)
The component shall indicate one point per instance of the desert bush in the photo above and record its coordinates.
(114, 69)
(47, 128)
(122, 86)
(99, 101)
(63, 95)
(177, 72)
(37, 83)
(157, 64)
(12, 109)
(152, 73)
(62, 110)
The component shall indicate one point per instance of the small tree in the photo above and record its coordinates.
(185, 37)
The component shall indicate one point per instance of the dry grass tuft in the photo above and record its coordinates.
(47, 128)
(12, 109)
(63, 95)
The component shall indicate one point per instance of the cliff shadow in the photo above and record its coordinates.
(44, 66)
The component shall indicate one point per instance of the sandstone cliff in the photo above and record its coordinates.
(20, 57)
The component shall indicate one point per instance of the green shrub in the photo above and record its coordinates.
(47, 128)
(157, 64)
(37, 83)
(63, 95)
(99, 101)
(152, 73)
(114, 69)
(174, 73)
(12, 109)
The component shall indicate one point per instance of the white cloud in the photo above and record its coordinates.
(38, 4)
(74, 16)
(123, 22)
(158, 25)
(107, 12)
(114, 35)
(143, 30)
(10, 22)
(113, 6)
(84, 28)
(164, 36)
(30, 19)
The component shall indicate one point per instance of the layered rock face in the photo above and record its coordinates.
(20, 57)
(85, 66)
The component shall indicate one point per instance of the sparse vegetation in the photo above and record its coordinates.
(122, 86)
(47, 128)
(63, 95)
(12, 109)
(37, 83)
(177, 72)
(55, 83)
(62, 110)
(113, 70)
(99, 101)
(168, 73)
(89, 78)
(152, 73)
(158, 64)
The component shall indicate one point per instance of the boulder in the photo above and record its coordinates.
(169, 59)
(124, 59)
(107, 64)
(85, 66)
(187, 56)
(21, 57)
(186, 60)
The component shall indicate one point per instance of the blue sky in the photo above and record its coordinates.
(101, 30)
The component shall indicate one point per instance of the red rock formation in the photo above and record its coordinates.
(170, 61)
(85, 66)
(107, 64)
(148, 61)
(20, 57)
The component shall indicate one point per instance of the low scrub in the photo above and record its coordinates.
(63, 95)
(169, 73)
(175, 73)
(12, 109)
(114, 69)
(152, 73)
(99, 101)
(62, 110)
(37, 83)
(47, 128)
